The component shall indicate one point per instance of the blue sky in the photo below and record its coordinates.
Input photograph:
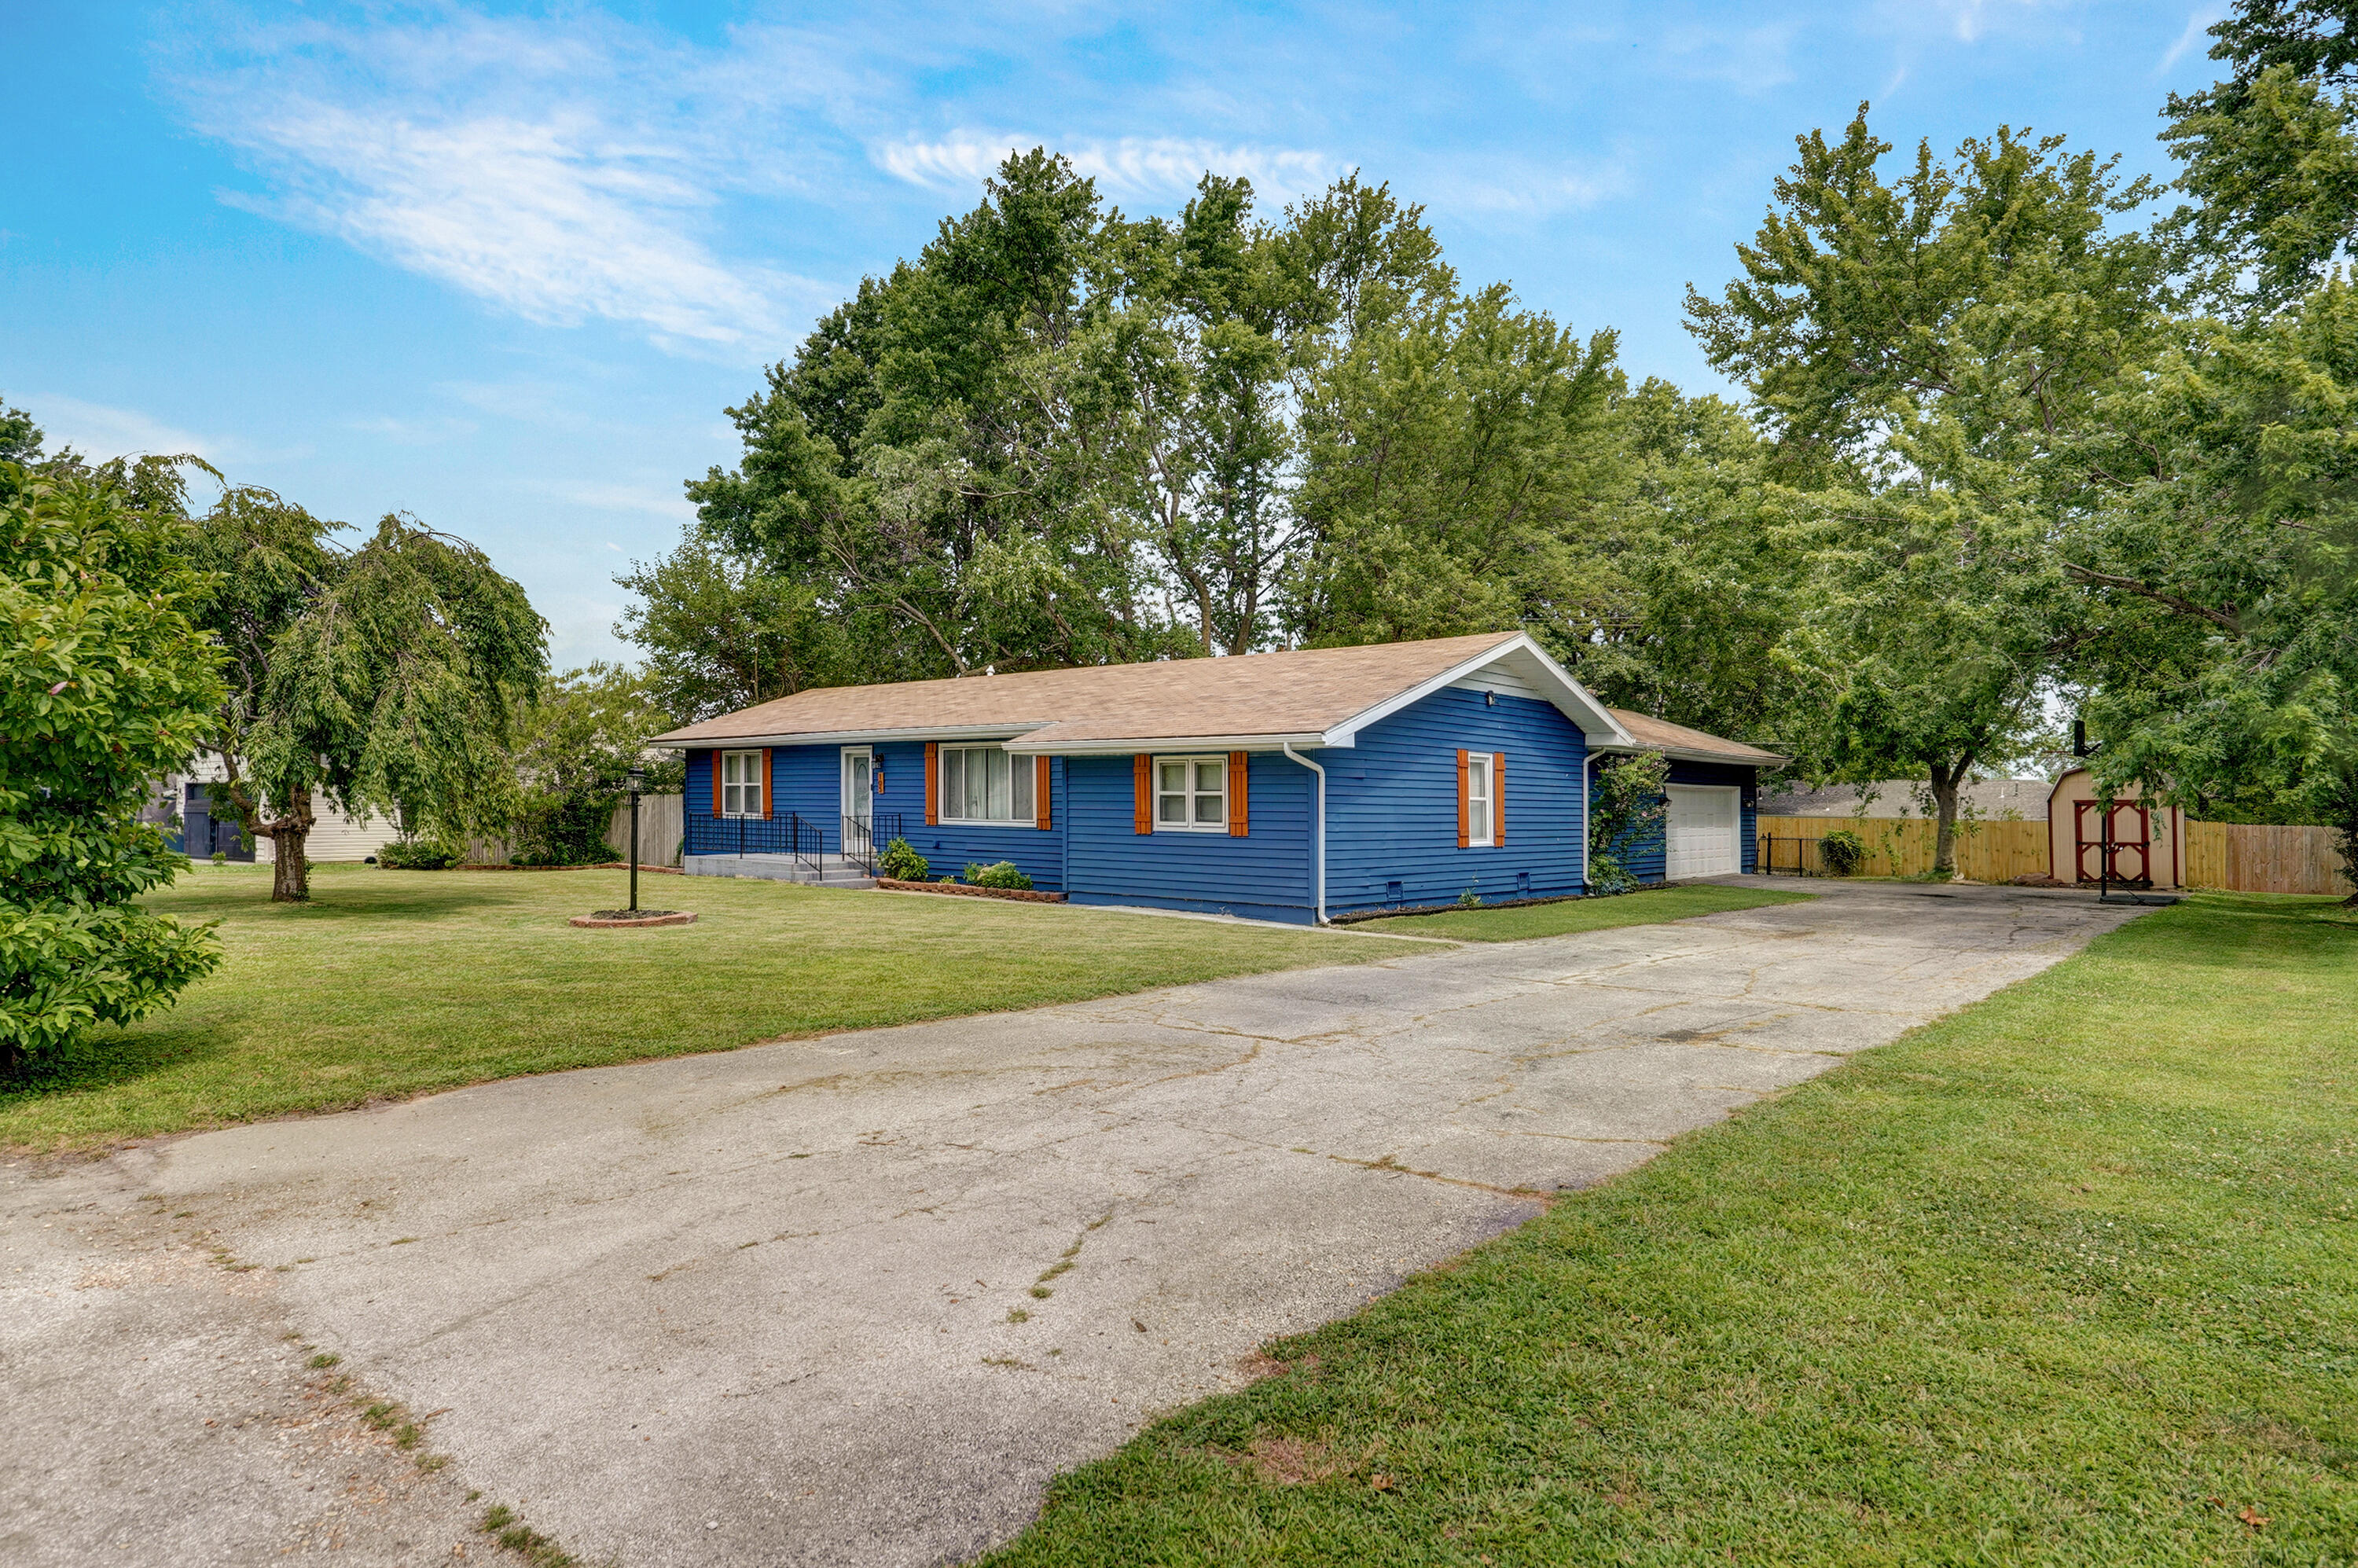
(504, 266)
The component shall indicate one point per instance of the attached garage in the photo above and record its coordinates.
(1704, 831)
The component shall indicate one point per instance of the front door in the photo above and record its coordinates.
(858, 801)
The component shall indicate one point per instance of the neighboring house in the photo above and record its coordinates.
(1279, 786)
(183, 805)
(1992, 800)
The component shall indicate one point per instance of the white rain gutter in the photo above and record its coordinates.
(1315, 768)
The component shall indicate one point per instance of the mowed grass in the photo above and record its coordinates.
(2071, 1277)
(1579, 913)
(397, 983)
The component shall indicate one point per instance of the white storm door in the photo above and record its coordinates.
(1702, 832)
(858, 802)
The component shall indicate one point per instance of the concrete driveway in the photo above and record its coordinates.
(856, 1299)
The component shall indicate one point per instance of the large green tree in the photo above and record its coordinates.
(1063, 436)
(1921, 349)
(107, 686)
(387, 678)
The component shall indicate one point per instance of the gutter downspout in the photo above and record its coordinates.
(1288, 748)
(1587, 837)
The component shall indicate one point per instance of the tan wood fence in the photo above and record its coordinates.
(662, 824)
(1902, 845)
(2244, 859)
(2229, 856)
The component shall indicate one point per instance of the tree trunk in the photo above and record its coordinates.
(290, 876)
(1944, 804)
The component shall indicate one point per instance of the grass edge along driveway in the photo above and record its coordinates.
(1564, 917)
(391, 984)
(2070, 1276)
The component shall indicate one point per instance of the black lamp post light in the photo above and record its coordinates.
(635, 916)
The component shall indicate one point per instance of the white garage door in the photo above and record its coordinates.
(1702, 832)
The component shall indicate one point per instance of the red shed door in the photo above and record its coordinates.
(2132, 837)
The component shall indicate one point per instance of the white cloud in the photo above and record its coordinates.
(628, 498)
(99, 432)
(1538, 191)
(562, 170)
(1149, 168)
(1752, 60)
(2198, 27)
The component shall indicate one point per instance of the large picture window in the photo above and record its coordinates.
(741, 784)
(1191, 795)
(983, 783)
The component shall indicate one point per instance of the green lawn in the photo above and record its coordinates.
(396, 983)
(2071, 1277)
(1578, 914)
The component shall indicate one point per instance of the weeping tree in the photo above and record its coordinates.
(104, 685)
(386, 678)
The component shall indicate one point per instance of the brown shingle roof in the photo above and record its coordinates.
(1661, 735)
(1294, 694)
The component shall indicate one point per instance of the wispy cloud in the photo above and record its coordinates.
(1510, 188)
(98, 430)
(560, 171)
(669, 504)
(2197, 25)
(1138, 168)
(1751, 60)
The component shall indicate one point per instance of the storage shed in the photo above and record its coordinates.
(2148, 838)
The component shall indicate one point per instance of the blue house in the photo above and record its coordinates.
(1290, 786)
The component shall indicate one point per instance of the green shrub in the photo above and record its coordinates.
(1002, 875)
(1841, 852)
(221, 857)
(902, 862)
(416, 855)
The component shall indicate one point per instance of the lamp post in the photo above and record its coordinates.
(638, 778)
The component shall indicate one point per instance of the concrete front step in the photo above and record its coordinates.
(835, 871)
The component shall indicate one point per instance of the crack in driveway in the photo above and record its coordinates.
(833, 1399)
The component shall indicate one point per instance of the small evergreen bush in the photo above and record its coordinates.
(1841, 852)
(902, 862)
(1002, 875)
(416, 855)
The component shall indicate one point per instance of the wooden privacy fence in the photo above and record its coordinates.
(2229, 856)
(662, 824)
(2244, 859)
(1902, 845)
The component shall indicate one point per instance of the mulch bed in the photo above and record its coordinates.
(1022, 895)
(617, 919)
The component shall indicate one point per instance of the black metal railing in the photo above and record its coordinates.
(862, 836)
(790, 835)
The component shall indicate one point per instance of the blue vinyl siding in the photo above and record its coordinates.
(1265, 875)
(808, 780)
(1392, 805)
(1647, 859)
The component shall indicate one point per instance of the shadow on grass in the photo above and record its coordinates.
(112, 1056)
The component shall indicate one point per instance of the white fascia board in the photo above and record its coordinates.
(848, 737)
(1572, 699)
(1681, 755)
(1167, 743)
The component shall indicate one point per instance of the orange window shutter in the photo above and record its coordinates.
(1142, 781)
(769, 772)
(716, 781)
(1043, 817)
(933, 784)
(1239, 813)
(1498, 797)
(1465, 798)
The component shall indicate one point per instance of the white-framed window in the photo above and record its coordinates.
(741, 784)
(1191, 795)
(984, 783)
(1480, 818)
